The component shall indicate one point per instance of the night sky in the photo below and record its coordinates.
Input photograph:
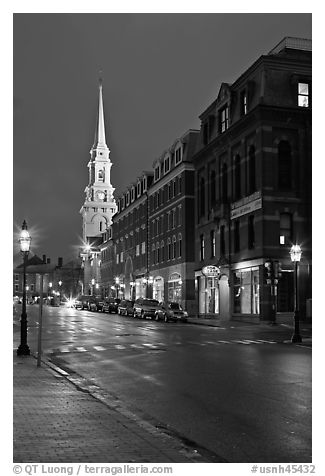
(160, 71)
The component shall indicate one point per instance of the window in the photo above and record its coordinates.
(303, 94)
(236, 236)
(285, 228)
(169, 191)
(243, 103)
(157, 173)
(179, 245)
(173, 218)
(167, 164)
(132, 194)
(213, 243)
(168, 221)
(251, 170)
(246, 289)
(178, 155)
(251, 232)
(174, 188)
(202, 197)
(169, 249)
(162, 253)
(213, 187)
(179, 215)
(101, 175)
(143, 247)
(16, 288)
(153, 250)
(180, 184)
(16, 277)
(202, 247)
(284, 165)
(224, 183)
(127, 198)
(222, 240)
(224, 119)
(137, 250)
(237, 177)
(174, 247)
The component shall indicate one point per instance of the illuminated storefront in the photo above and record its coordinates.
(175, 288)
(246, 291)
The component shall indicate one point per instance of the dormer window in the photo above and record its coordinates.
(243, 103)
(144, 184)
(178, 155)
(123, 202)
(138, 189)
(167, 164)
(157, 173)
(132, 194)
(224, 118)
(128, 199)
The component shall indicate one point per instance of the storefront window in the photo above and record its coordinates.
(158, 289)
(175, 288)
(246, 289)
(209, 296)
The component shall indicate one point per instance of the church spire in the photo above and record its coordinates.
(100, 137)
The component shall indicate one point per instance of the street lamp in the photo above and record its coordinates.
(24, 241)
(92, 286)
(60, 284)
(295, 255)
(117, 283)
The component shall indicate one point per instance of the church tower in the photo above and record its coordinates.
(99, 205)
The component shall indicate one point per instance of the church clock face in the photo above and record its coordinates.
(100, 195)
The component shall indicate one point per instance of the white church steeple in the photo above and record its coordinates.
(99, 205)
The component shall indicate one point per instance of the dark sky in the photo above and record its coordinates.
(160, 71)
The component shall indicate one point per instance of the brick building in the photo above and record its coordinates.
(253, 187)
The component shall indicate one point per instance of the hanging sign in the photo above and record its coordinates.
(211, 271)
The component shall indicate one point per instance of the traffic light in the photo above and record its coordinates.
(269, 271)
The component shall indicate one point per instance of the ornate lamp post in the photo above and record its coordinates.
(24, 241)
(295, 255)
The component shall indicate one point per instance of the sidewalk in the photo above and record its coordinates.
(55, 421)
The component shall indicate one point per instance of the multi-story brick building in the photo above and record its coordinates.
(171, 205)
(253, 187)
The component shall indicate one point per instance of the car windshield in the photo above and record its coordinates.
(175, 306)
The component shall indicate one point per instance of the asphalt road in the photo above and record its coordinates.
(236, 393)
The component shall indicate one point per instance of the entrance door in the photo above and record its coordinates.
(224, 297)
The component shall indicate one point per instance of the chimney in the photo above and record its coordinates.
(48, 261)
(60, 262)
(44, 259)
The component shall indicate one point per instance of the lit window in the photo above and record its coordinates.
(202, 246)
(303, 94)
(285, 228)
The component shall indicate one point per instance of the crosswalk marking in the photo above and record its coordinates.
(99, 347)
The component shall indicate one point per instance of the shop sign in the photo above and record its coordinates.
(247, 208)
(211, 271)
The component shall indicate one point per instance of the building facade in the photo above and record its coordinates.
(253, 188)
(99, 205)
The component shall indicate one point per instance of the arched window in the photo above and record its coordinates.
(174, 248)
(101, 175)
(169, 249)
(180, 245)
(251, 170)
(284, 165)
(162, 252)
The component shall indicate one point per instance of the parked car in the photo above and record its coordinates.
(110, 305)
(82, 302)
(95, 304)
(144, 308)
(125, 307)
(171, 311)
